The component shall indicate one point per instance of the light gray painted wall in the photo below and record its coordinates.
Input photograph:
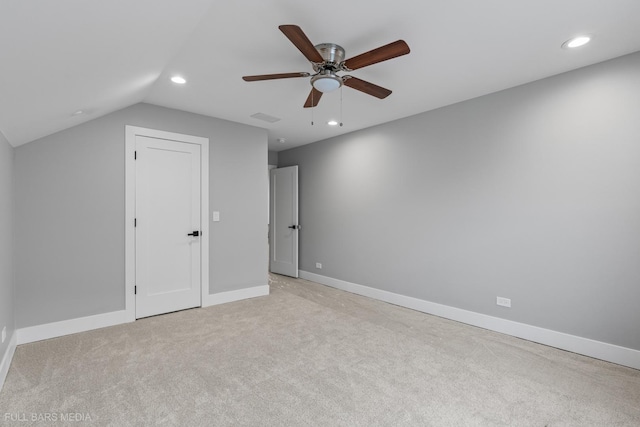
(273, 158)
(70, 212)
(532, 194)
(7, 317)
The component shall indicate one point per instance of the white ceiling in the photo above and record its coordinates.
(57, 57)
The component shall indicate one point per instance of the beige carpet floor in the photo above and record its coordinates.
(309, 355)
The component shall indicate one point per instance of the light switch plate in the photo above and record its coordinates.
(216, 216)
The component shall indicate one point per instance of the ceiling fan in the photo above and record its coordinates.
(327, 59)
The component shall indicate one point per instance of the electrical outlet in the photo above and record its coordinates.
(318, 265)
(504, 302)
(4, 334)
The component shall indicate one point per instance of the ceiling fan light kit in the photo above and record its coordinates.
(328, 59)
(326, 81)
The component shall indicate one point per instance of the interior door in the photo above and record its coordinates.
(167, 231)
(283, 249)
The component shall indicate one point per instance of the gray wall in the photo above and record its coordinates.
(70, 212)
(532, 193)
(273, 158)
(6, 242)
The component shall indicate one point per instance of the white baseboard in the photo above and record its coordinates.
(240, 294)
(585, 346)
(83, 324)
(72, 326)
(6, 359)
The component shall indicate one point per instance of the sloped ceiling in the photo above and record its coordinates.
(58, 57)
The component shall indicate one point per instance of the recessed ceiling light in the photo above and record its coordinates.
(78, 113)
(576, 42)
(281, 140)
(332, 123)
(178, 79)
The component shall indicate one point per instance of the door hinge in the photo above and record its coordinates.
(135, 290)
(135, 222)
(135, 155)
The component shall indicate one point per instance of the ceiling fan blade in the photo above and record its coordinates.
(313, 98)
(383, 53)
(300, 40)
(366, 87)
(274, 76)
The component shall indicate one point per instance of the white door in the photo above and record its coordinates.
(283, 249)
(167, 229)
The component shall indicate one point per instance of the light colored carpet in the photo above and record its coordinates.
(309, 355)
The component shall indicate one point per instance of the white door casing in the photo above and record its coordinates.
(283, 248)
(167, 196)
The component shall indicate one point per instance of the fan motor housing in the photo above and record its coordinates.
(332, 54)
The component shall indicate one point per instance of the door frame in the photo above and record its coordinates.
(130, 204)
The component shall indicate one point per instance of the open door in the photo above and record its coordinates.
(283, 249)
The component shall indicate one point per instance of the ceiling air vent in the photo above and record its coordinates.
(265, 117)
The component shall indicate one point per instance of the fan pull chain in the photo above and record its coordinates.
(341, 106)
(312, 106)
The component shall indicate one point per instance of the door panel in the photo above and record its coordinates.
(284, 221)
(167, 210)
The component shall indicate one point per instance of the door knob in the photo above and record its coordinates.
(295, 227)
(194, 234)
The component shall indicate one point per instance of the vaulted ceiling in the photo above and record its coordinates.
(61, 57)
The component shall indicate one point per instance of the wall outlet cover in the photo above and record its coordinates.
(504, 302)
